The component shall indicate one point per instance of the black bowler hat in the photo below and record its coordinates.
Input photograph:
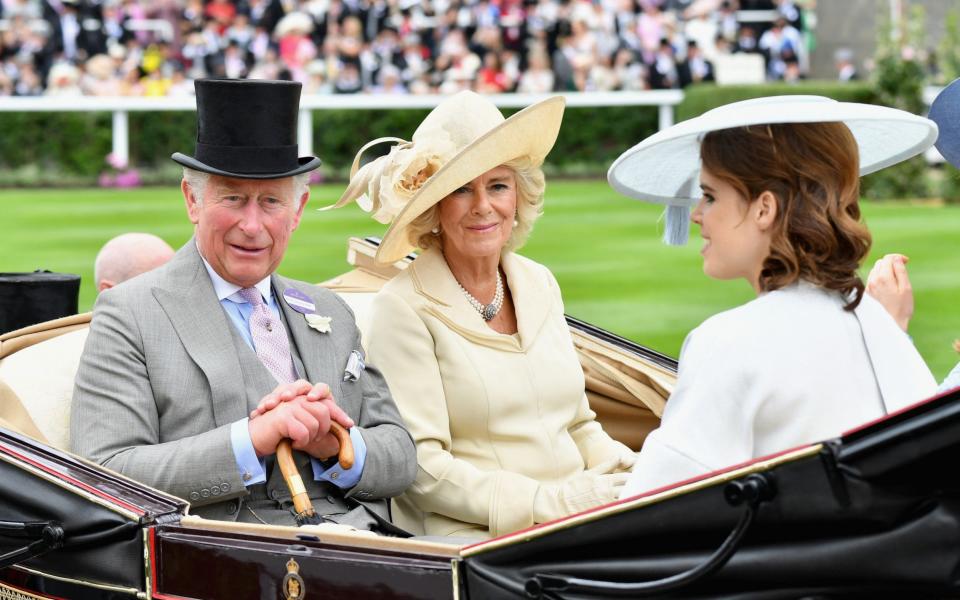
(247, 129)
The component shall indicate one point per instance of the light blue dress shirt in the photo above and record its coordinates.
(252, 469)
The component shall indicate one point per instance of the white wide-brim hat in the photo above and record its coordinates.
(665, 167)
(294, 22)
(462, 138)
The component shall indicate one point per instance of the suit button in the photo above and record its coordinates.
(215, 491)
(205, 493)
(274, 494)
(224, 487)
(233, 507)
(194, 496)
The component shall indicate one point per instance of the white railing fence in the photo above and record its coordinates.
(121, 107)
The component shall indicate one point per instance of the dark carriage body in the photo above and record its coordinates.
(873, 514)
(124, 540)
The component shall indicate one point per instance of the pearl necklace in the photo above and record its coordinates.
(487, 311)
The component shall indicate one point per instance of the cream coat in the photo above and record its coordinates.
(493, 415)
(789, 368)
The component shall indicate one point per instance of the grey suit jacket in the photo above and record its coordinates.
(161, 381)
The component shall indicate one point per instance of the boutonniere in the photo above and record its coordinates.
(321, 324)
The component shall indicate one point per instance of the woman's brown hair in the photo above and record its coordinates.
(813, 170)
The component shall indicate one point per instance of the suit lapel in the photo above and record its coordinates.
(317, 350)
(532, 299)
(189, 301)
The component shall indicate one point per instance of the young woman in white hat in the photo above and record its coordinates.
(888, 280)
(811, 356)
(471, 336)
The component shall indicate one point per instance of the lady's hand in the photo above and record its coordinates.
(625, 461)
(585, 490)
(889, 283)
(617, 458)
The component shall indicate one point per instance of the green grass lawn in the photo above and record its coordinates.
(604, 250)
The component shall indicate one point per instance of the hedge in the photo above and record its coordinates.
(699, 99)
(70, 148)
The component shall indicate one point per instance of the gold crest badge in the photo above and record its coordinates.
(293, 586)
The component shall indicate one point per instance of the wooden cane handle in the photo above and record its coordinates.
(345, 456)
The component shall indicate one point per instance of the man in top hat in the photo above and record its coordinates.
(177, 359)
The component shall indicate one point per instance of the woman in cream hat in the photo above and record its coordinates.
(888, 280)
(471, 336)
(811, 356)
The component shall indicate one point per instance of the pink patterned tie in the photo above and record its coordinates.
(269, 338)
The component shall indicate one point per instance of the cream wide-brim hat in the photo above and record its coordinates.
(665, 167)
(462, 138)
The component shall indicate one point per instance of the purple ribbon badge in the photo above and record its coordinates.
(299, 301)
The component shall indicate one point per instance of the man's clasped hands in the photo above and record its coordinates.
(302, 412)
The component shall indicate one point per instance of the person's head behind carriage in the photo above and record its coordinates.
(811, 356)
(471, 328)
(780, 183)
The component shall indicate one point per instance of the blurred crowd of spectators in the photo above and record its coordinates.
(157, 47)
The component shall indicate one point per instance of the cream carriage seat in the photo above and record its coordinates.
(37, 367)
(358, 286)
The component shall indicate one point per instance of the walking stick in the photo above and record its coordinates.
(301, 501)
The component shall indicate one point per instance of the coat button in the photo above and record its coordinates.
(274, 494)
(194, 496)
(224, 487)
(205, 493)
(215, 491)
(233, 507)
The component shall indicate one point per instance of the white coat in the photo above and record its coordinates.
(789, 368)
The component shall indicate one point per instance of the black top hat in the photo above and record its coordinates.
(247, 129)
